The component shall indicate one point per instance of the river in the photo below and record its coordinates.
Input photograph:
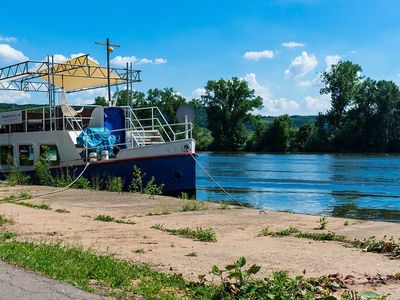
(354, 186)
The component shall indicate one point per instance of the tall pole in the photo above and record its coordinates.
(109, 49)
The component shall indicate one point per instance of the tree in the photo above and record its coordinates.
(167, 100)
(136, 99)
(99, 100)
(277, 136)
(341, 82)
(228, 104)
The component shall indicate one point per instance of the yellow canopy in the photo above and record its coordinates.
(80, 73)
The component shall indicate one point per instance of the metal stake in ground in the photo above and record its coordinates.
(109, 49)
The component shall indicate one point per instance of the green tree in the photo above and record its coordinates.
(228, 104)
(167, 100)
(277, 136)
(136, 99)
(100, 100)
(341, 82)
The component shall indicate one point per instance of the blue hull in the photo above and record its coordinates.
(177, 173)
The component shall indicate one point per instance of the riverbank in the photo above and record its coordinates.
(129, 235)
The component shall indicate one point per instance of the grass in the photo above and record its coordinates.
(193, 205)
(7, 235)
(139, 251)
(31, 205)
(388, 246)
(109, 276)
(191, 254)
(107, 218)
(4, 220)
(24, 195)
(62, 211)
(160, 212)
(197, 234)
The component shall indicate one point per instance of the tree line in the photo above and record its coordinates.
(364, 115)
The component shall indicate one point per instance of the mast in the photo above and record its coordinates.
(109, 49)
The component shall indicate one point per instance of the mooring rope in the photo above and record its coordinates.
(216, 183)
(60, 190)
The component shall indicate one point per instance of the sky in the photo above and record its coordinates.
(280, 47)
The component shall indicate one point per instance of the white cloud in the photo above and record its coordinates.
(317, 104)
(86, 97)
(121, 61)
(8, 54)
(272, 106)
(60, 58)
(332, 60)
(159, 61)
(353, 52)
(301, 65)
(197, 93)
(8, 39)
(257, 55)
(18, 97)
(292, 44)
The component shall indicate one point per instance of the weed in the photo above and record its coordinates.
(265, 232)
(184, 196)
(389, 246)
(286, 232)
(323, 221)
(24, 195)
(223, 205)
(137, 181)
(4, 220)
(198, 234)
(16, 177)
(62, 211)
(114, 184)
(192, 254)
(152, 188)
(97, 183)
(160, 212)
(31, 205)
(105, 218)
(42, 170)
(124, 222)
(139, 251)
(7, 235)
(82, 183)
(9, 198)
(346, 223)
(320, 236)
(194, 205)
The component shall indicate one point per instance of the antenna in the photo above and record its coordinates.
(109, 49)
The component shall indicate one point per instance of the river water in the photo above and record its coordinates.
(355, 186)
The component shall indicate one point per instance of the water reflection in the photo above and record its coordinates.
(356, 186)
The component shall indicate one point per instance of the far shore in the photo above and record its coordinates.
(70, 219)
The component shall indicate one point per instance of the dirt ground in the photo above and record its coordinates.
(237, 235)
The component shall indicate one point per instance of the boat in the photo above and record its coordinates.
(92, 141)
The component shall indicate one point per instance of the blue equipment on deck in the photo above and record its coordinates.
(96, 139)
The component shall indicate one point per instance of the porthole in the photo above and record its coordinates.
(177, 175)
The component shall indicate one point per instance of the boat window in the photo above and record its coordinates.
(51, 153)
(6, 155)
(26, 157)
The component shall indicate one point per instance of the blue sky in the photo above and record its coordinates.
(280, 46)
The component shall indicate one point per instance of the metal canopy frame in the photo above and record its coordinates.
(29, 76)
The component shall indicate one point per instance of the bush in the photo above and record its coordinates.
(152, 188)
(42, 171)
(82, 183)
(16, 177)
(137, 181)
(114, 184)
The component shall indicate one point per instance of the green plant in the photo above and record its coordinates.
(105, 218)
(9, 198)
(42, 170)
(114, 184)
(16, 177)
(371, 244)
(162, 211)
(184, 196)
(323, 221)
(265, 232)
(198, 234)
(97, 183)
(82, 183)
(4, 220)
(120, 221)
(62, 179)
(223, 205)
(346, 223)
(37, 206)
(62, 211)
(139, 251)
(152, 188)
(194, 205)
(7, 235)
(286, 232)
(137, 180)
(24, 195)
(192, 254)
